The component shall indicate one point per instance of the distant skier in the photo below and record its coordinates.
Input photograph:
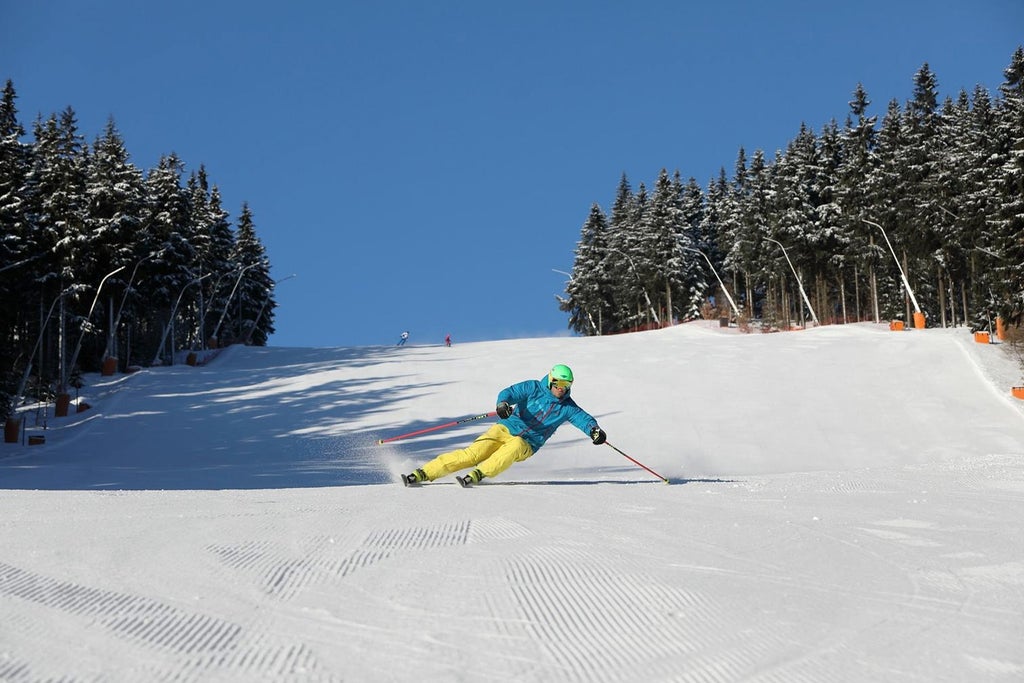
(401, 340)
(530, 412)
(448, 340)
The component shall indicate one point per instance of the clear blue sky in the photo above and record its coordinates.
(426, 165)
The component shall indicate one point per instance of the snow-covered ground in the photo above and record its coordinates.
(845, 505)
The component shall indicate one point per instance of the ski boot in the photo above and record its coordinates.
(473, 477)
(417, 477)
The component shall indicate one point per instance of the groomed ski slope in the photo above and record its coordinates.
(845, 506)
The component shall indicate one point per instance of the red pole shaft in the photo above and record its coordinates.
(636, 462)
(435, 428)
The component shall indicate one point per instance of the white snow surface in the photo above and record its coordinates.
(845, 505)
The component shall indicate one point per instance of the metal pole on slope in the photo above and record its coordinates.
(266, 301)
(170, 323)
(721, 284)
(84, 328)
(632, 265)
(637, 462)
(227, 302)
(917, 309)
(597, 330)
(112, 332)
(799, 284)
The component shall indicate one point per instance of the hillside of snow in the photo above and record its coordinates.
(844, 505)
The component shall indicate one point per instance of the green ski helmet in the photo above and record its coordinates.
(560, 376)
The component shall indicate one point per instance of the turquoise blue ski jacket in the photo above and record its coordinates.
(538, 413)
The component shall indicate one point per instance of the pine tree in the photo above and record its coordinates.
(717, 227)
(959, 191)
(884, 188)
(589, 303)
(65, 274)
(1008, 226)
(116, 205)
(167, 233)
(632, 268)
(695, 283)
(831, 242)
(251, 311)
(15, 250)
(977, 209)
(737, 257)
(797, 228)
(861, 252)
(745, 256)
(661, 238)
(918, 210)
(614, 261)
(15, 162)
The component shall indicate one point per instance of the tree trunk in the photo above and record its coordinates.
(668, 299)
(942, 296)
(963, 301)
(842, 296)
(856, 293)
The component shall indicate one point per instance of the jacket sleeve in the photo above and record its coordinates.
(583, 420)
(515, 394)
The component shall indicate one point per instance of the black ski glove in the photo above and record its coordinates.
(598, 436)
(504, 409)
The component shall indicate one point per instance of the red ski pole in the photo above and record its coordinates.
(636, 462)
(432, 429)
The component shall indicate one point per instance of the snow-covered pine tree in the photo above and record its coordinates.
(216, 260)
(15, 162)
(831, 242)
(957, 180)
(251, 312)
(862, 253)
(662, 261)
(589, 302)
(746, 252)
(630, 266)
(15, 249)
(917, 203)
(64, 272)
(623, 292)
(1008, 226)
(116, 204)
(726, 203)
(884, 186)
(167, 232)
(717, 229)
(696, 284)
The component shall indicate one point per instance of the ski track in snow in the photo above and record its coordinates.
(568, 571)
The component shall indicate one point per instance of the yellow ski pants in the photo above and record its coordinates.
(492, 453)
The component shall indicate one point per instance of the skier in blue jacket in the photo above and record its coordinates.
(529, 413)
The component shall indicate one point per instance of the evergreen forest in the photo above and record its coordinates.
(917, 215)
(104, 267)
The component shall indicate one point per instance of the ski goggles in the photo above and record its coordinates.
(561, 383)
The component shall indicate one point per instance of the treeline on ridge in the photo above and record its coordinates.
(812, 232)
(100, 262)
